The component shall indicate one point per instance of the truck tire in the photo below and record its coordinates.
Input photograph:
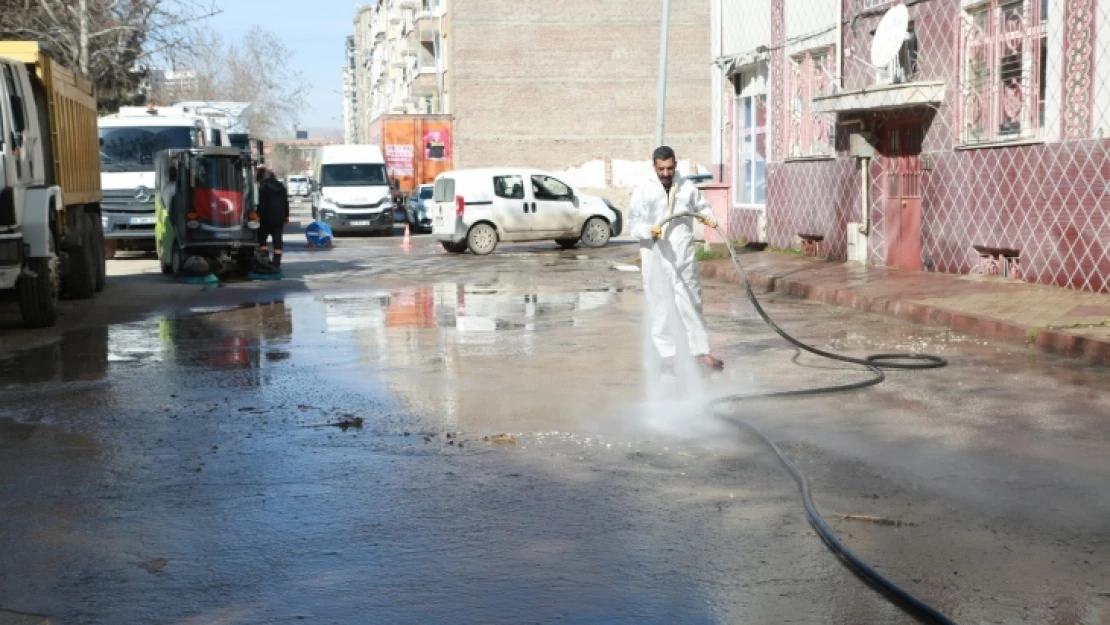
(81, 281)
(98, 255)
(38, 296)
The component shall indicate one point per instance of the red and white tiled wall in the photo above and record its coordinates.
(1043, 191)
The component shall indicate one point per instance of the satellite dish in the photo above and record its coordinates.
(889, 35)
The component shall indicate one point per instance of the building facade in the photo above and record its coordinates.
(567, 86)
(293, 156)
(981, 145)
(350, 94)
(400, 61)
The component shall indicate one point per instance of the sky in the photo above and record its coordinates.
(315, 30)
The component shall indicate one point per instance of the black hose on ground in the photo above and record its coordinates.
(874, 363)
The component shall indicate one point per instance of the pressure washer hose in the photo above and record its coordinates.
(875, 363)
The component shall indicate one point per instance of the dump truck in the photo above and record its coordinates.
(51, 234)
(417, 148)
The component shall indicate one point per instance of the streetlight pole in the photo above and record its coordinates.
(661, 95)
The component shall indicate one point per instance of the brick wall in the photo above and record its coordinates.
(558, 84)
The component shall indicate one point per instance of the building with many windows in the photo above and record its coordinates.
(567, 86)
(399, 61)
(350, 94)
(980, 146)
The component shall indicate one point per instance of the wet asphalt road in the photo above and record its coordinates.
(166, 457)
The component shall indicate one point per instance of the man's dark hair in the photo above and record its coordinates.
(663, 153)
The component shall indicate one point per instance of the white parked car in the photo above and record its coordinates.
(474, 209)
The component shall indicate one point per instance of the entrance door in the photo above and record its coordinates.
(902, 205)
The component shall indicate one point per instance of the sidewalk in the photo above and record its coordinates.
(1062, 321)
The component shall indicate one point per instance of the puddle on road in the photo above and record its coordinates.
(432, 350)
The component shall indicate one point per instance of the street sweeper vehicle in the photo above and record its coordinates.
(205, 219)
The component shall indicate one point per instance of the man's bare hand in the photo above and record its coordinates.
(708, 220)
(656, 232)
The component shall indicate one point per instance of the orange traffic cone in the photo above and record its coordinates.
(406, 243)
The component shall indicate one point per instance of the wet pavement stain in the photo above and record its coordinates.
(181, 476)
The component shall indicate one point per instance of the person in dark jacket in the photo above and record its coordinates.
(273, 214)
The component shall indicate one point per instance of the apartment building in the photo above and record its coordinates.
(399, 60)
(568, 86)
(350, 94)
(980, 147)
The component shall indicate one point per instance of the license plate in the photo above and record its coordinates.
(140, 221)
(360, 223)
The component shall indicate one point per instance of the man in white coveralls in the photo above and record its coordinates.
(671, 275)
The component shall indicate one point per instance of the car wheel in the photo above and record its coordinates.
(566, 244)
(595, 233)
(482, 239)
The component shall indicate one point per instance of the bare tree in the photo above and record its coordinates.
(252, 69)
(108, 41)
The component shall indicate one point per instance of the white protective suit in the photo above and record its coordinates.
(672, 274)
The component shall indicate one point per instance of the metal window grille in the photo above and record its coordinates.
(1003, 66)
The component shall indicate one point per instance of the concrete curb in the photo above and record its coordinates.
(1092, 349)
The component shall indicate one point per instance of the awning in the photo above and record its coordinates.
(881, 98)
(734, 62)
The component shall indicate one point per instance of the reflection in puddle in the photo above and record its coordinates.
(435, 353)
(79, 356)
(392, 328)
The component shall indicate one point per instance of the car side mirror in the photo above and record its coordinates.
(19, 119)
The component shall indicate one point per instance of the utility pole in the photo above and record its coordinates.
(661, 96)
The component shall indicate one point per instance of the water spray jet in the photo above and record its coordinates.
(875, 364)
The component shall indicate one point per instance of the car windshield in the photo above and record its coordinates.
(219, 173)
(133, 149)
(426, 192)
(353, 175)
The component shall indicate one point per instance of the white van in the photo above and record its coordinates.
(352, 192)
(297, 186)
(476, 208)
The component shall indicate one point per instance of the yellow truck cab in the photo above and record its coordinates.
(51, 236)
